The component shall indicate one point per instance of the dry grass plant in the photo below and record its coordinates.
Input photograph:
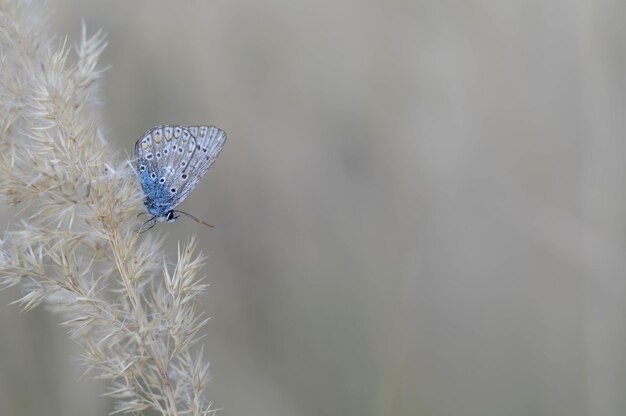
(75, 247)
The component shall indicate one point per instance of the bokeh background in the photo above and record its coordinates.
(420, 209)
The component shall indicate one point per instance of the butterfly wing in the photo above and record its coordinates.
(209, 142)
(163, 156)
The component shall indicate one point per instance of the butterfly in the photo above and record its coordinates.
(170, 160)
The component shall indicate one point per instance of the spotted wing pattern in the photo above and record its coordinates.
(171, 160)
(209, 143)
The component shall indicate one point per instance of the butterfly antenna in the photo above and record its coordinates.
(194, 218)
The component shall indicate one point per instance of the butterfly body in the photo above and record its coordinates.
(157, 202)
(170, 160)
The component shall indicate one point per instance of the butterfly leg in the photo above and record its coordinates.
(152, 221)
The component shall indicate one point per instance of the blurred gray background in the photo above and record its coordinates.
(420, 209)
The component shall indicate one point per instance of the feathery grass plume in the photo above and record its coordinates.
(76, 248)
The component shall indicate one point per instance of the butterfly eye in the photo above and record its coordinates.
(183, 163)
(180, 149)
(177, 132)
(184, 176)
(185, 135)
(173, 190)
(158, 155)
(165, 151)
(142, 168)
(153, 175)
(162, 180)
(149, 156)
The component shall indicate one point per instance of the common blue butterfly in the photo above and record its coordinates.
(170, 160)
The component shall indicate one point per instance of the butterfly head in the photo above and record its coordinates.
(170, 216)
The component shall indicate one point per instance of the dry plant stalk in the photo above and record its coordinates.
(76, 248)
